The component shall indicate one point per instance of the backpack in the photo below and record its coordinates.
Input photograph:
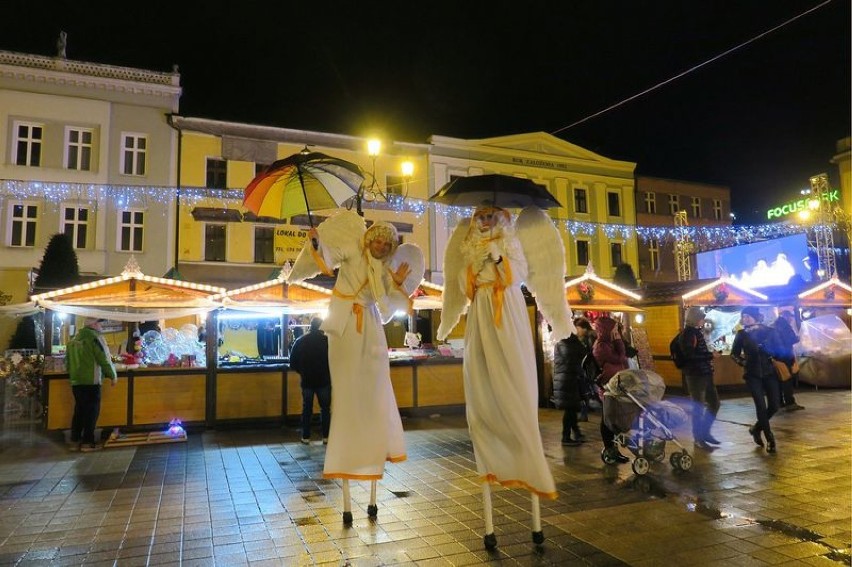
(677, 355)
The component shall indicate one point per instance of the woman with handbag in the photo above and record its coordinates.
(783, 325)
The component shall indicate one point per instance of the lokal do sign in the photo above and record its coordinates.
(800, 205)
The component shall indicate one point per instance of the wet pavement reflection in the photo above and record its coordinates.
(257, 497)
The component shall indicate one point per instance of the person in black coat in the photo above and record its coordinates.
(309, 357)
(751, 350)
(698, 373)
(783, 325)
(567, 380)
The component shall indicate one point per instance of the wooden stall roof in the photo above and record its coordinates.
(723, 292)
(601, 295)
(277, 291)
(830, 293)
(133, 289)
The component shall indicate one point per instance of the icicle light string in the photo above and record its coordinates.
(704, 237)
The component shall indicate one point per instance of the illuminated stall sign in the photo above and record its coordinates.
(800, 205)
(289, 241)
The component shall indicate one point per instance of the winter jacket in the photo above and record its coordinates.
(699, 359)
(753, 346)
(309, 357)
(88, 359)
(609, 354)
(568, 372)
(786, 339)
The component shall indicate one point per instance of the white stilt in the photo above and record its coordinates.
(536, 514)
(373, 492)
(490, 539)
(347, 500)
(486, 508)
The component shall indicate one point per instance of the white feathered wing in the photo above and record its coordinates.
(453, 299)
(343, 236)
(545, 254)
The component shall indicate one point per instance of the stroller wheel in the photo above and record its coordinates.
(674, 459)
(685, 461)
(641, 465)
(608, 457)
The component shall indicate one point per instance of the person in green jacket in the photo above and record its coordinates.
(88, 362)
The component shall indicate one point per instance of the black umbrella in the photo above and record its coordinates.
(497, 190)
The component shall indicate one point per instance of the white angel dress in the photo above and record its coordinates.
(484, 272)
(366, 429)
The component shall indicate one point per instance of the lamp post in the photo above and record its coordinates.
(374, 147)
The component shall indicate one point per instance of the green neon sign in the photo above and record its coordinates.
(800, 205)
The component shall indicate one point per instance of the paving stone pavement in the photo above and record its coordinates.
(257, 497)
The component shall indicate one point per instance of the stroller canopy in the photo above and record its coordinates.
(646, 386)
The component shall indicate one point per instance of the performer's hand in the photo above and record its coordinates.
(401, 273)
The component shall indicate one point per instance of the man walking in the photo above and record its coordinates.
(698, 373)
(88, 362)
(309, 358)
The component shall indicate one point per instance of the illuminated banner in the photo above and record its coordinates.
(800, 205)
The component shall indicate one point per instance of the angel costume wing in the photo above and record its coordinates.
(411, 254)
(545, 255)
(340, 236)
(454, 300)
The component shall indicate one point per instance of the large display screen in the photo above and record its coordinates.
(759, 264)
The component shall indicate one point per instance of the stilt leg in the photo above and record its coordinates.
(372, 509)
(347, 503)
(537, 534)
(490, 539)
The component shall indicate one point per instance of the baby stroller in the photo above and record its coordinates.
(633, 409)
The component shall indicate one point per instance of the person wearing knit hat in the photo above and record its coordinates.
(698, 374)
(753, 348)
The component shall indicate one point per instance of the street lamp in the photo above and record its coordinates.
(407, 174)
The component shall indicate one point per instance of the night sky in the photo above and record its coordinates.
(761, 120)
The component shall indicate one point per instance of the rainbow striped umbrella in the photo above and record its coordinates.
(301, 183)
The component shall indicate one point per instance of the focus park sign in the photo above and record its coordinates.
(800, 205)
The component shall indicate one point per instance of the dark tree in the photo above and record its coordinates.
(25, 335)
(59, 267)
(624, 277)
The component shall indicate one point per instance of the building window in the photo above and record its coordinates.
(581, 204)
(613, 202)
(717, 209)
(214, 242)
(651, 203)
(264, 244)
(615, 253)
(27, 144)
(24, 224)
(654, 254)
(131, 230)
(78, 148)
(75, 224)
(674, 204)
(217, 173)
(134, 148)
(696, 207)
(582, 252)
(395, 185)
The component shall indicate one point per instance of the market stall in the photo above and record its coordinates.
(824, 350)
(590, 296)
(722, 300)
(250, 345)
(167, 380)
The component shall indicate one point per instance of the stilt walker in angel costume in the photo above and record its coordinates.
(375, 279)
(486, 261)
